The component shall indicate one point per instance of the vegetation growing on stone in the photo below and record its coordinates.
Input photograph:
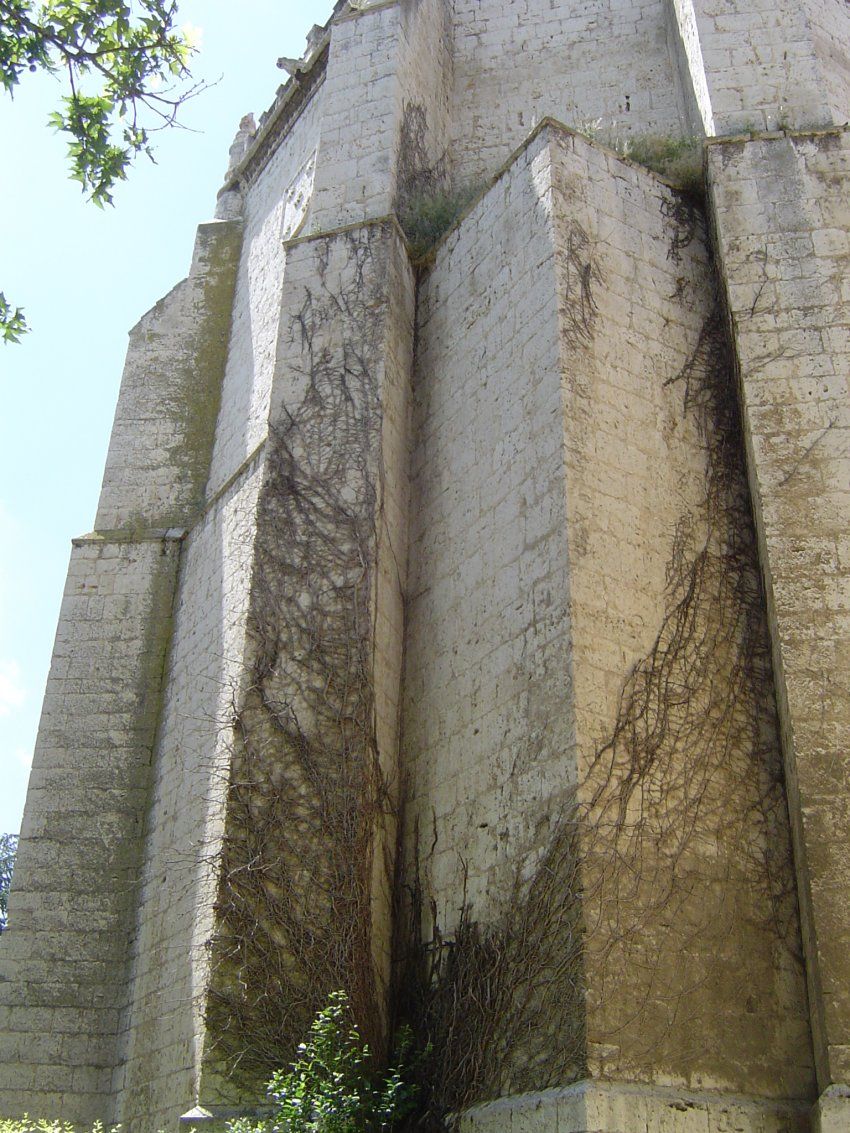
(307, 791)
(676, 158)
(427, 215)
(429, 201)
(679, 160)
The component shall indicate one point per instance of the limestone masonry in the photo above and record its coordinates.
(471, 630)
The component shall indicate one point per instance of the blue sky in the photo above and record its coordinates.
(84, 276)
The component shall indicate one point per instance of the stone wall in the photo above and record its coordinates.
(589, 780)
(487, 654)
(762, 66)
(567, 561)
(243, 419)
(780, 208)
(607, 1107)
(689, 902)
(602, 62)
(159, 451)
(162, 1025)
(318, 716)
(64, 967)
(102, 711)
(829, 22)
(359, 125)
(384, 60)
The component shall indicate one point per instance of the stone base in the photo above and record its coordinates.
(623, 1107)
(620, 1107)
(831, 1113)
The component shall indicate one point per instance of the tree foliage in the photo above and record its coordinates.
(8, 849)
(27, 1124)
(13, 322)
(125, 67)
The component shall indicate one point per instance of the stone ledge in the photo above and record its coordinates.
(142, 535)
(388, 220)
(776, 135)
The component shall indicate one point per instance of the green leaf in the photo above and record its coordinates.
(121, 63)
(331, 1087)
(12, 325)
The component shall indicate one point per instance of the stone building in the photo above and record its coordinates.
(470, 630)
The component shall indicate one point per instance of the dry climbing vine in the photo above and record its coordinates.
(486, 1001)
(498, 1007)
(686, 796)
(675, 837)
(428, 199)
(306, 790)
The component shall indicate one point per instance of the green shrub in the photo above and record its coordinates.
(678, 159)
(332, 1086)
(28, 1124)
(427, 215)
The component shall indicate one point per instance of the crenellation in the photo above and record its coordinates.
(268, 222)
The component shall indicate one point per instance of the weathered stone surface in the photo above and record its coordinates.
(560, 574)
(614, 1107)
(63, 978)
(832, 1112)
(783, 234)
(588, 782)
(159, 453)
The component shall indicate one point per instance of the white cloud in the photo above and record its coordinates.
(12, 692)
(23, 755)
(10, 537)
